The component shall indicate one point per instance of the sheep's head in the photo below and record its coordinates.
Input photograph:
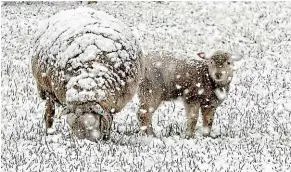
(220, 66)
(91, 123)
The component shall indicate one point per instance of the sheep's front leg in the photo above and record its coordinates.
(208, 116)
(192, 111)
(49, 115)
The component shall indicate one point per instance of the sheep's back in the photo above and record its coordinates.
(90, 53)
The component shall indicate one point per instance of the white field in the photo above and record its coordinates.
(253, 124)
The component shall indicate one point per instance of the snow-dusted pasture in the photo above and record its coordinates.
(253, 124)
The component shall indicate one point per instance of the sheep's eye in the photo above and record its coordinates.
(228, 63)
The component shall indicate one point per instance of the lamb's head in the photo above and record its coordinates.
(92, 123)
(220, 66)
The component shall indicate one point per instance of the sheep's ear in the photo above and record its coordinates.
(201, 55)
(236, 57)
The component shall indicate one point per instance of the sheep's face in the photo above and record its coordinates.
(221, 68)
(90, 125)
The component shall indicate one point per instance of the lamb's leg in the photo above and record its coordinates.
(208, 116)
(49, 115)
(192, 111)
(41, 92)
(149, 101)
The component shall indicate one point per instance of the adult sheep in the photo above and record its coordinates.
(203, 83)
(89, 62)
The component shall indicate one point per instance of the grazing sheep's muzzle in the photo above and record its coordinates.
(92, 126)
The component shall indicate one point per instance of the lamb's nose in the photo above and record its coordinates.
(218, 75)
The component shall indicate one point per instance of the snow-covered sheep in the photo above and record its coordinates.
(201, 82)
(89, 62)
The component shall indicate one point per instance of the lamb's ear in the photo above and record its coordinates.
(201, 55)
(236, 57)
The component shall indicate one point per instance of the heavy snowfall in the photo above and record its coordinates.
(251, 129)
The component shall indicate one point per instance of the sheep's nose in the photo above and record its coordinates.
(218, 75)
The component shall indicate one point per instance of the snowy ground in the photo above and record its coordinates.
(254, 122)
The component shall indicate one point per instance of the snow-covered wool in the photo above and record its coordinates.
(202, 82)
(85, 58)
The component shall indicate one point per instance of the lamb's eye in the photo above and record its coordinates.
(228, 63)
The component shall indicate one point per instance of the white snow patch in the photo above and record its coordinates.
(143, 128)
(112, 110)
(95, 134)
(43, 75)
(151, 109)
(200, 91)
(87, 83)
(178, 86)
(220, 93)
(143, 110)
(206, 130)
(158, 64)
(287, 106)
(236, 57)
(186, 91)
(89, 120)
(51, 130)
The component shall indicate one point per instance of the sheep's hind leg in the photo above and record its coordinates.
(192, 111)
(49, 116)
(208, 116)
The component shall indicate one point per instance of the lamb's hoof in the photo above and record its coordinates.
(205, 134)
(50, 131)
(148, 131)
(215, 136)
(211, 136)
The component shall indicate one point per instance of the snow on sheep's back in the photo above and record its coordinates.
(89, 49)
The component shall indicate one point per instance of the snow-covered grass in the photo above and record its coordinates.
(253, 123)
